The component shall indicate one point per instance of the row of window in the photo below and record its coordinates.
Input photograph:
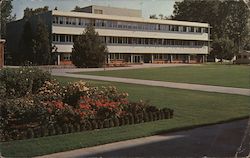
(121, 56)
(134, 41)
(126, 25)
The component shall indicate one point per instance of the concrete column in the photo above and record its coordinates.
(131, 58)
(203, 58)
(58, 59)
(188, 58)
(108, 58)
(171, 58)
(152, 58)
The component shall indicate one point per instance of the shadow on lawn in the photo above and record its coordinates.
(222, 140)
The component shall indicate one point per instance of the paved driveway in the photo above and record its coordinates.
(222, 140)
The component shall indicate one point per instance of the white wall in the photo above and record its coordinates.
(144, 49)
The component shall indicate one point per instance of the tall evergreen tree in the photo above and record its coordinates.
(41, 47)
(88, 50)
(29, 12)
(5, 15)
(26, 45)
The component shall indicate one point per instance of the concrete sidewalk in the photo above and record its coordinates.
(221, 140)
(206, 88)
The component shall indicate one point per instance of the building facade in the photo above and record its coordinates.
(129, 37)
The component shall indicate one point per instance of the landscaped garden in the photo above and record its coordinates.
(33, 105)
(191, 109)
(209, 74)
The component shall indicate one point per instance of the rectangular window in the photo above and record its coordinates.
(62, 38)
(98, 11)
(184, 28)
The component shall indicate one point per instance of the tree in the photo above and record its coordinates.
(41, 47)
(5, 15)
(26, 45)
(29, 12)
(223, 48)
(88, 50)
(154, 16)
(161, 16)
(77, 8)
(199, 11)
(234, 16)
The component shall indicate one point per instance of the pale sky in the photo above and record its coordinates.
(148, 7)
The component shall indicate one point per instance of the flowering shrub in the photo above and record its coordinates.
(73, 92)
(53, 109)
(22, 81)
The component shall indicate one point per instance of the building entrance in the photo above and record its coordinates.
(137, 58)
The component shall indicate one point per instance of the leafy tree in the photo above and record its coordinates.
(5, 15)
(77, 8)
(41, 47)
(234, 15)
(26, 45)
(160, 16)
(88, 50)
(199, 11)
(154, 16)
(223, 48)
(228, 18)
(29, 12)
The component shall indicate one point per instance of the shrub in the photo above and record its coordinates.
(121, 121)
(88, 125)
(111, 123)
(58, 130)
(106, 123)
(126, 120)
(94, 124)
(77, 127)
(116, 121)
(73, 92)
(22, 81)
(71, 128)
(65, 129)
(145, 117)
(131, 119)
(100, 125)
(45, 132)
(30, 133)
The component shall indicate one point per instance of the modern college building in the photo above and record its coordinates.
(129, 37)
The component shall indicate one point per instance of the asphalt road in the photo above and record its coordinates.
(221, 140)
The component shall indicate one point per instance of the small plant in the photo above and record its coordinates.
(106, 123)
(116, 121)
(30, 133)
(94, 124)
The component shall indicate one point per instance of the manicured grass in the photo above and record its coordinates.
(192, 108)
(210, 74)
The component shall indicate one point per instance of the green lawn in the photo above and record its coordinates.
(210, 74)
(192, 108)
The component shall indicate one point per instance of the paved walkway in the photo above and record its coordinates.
(206, 88)
(222, 140)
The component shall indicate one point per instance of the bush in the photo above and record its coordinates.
(22, 81)
(30, 133)
(116, 121)
(94, 124)
(106, 123)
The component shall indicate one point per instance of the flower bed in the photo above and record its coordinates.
(52, 109)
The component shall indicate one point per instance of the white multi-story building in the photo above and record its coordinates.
(129, 37)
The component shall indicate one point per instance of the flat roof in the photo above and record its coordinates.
(128, 19)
